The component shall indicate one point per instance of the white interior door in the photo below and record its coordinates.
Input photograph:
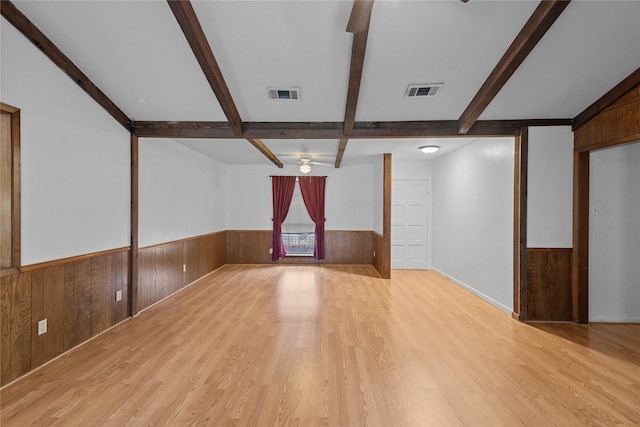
(409, 201)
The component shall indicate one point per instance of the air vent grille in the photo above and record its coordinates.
(423, 90)
(284, 93)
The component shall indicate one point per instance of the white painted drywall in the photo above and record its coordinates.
(404, 169)
(348, 203)
(74, 159)
(550, 187)
(472, 205)
(614, 235)
(181, 192)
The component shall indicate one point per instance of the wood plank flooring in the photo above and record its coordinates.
(334, 345)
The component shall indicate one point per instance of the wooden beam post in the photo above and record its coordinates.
(133, 262)
(521, 174)
(580, 263)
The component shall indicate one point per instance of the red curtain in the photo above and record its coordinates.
(282, 194)
(312, 188)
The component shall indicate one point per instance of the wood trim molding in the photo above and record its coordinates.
(521, 167)
(386, 217)
(535, 28)
(608, 99)
(61, 261)
(37, 37)
(186, 239)
(134, 260)
(16, 191)
(190, 25)
(580, 263)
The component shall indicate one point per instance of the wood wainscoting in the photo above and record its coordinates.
(77, 297)
(549, 284)
(341, 247)
(160, 267)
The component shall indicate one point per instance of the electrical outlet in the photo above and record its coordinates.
(42, 327)
(184, 268)
(118, 296)
(270, 251)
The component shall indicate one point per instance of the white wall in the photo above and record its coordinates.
(550, 187)
(74, 158)
(472, 204)
(348, 204)
(614, 235)
(181, 192)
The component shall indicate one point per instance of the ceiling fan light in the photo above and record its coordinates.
(305, 168)
(429, 149)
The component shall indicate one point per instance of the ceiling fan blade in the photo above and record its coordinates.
(360, 16)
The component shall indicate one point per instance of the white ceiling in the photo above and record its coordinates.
(136, 53)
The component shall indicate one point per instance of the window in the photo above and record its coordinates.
(298, 230)
(9, 190)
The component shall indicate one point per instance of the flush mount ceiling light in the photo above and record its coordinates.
(305, 167)
(429, 149)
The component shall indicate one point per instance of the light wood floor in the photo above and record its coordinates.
(290, 345)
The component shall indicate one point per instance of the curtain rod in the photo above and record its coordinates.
(316, 176)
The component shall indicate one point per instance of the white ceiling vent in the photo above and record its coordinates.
(284, 93)
(423, 90)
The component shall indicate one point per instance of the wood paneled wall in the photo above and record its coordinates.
(341, 247)
(618, 124)
(160, 267)
(75, 295)
(549, 284)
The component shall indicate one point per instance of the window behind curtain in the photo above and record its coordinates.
(298, 229)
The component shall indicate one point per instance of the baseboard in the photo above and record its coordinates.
(498, 305)
(614, 319)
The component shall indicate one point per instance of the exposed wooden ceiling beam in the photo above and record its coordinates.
(606, 100)
(333, 130)
(360, 16)
(265, 150)
(341, 148)
(538, 24)
(358, 48)
(42, 42)
(186, 17)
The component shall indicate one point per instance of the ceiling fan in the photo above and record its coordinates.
(306, 162)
